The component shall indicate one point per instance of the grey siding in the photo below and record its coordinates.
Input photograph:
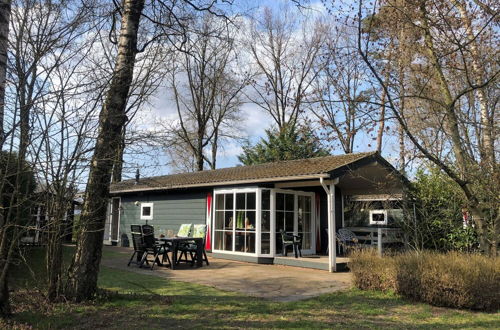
(169, 211)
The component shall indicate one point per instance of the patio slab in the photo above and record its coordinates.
(274, 282)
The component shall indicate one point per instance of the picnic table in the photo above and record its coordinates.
(174, 243)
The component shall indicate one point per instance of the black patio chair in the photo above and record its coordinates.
(152, 248)
(293, 240)
(148, 230)
(199, 231)
(139, 247)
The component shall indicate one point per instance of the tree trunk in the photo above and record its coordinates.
(213, 164)
(82, 282)
(57, 211)
(487, 140)
(118, 164)
(4, 268)
(5, 6)
(381, 124)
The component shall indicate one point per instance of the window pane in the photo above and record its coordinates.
(306, 241)
(307, 205)
(228, 220)
(289, 202)
(266, 199)
(306, 220)
(289, 222)
(219, 202)
(239, 242)
(240, 219)
(301, 201)
(300, 222)
(240, 201)
(250, 220)
(229, 201)
(279, 243)
(280, 221)
(266, 221)
(250, 201)
(250, 243)
(265, 244)
(228, 241)
(219, 240)
(146, 211)
(280, 201)
(219, 219)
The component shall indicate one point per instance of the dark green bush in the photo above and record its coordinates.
(451, 279)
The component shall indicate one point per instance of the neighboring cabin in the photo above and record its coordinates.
(245, 207)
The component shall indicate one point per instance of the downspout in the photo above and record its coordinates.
(332, 251)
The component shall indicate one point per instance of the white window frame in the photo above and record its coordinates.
(384, 212)
(147, 217)
(297, 193)
(258, 218)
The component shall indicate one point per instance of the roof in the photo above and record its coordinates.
(276, 171)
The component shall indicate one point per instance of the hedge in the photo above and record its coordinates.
(452, 279)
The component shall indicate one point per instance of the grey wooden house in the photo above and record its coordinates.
(245, 207)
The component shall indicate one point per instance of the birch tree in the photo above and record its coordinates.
(168, 22)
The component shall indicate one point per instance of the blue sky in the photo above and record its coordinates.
(253, 125)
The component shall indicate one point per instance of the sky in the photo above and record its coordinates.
(255, 120)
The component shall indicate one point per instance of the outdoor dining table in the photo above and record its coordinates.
(176, 241)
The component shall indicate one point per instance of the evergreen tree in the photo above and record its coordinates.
(285, 144)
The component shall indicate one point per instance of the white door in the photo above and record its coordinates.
(114, 232)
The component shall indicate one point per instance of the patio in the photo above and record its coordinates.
(274, 282)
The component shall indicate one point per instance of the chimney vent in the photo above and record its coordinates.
(137, 176)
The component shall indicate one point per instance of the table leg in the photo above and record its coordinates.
(199, 254)
(174, 255)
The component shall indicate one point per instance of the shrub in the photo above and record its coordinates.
(450, 279)
(372, 272)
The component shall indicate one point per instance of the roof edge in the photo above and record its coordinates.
(225, 183)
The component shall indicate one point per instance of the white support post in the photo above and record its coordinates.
(332, 251)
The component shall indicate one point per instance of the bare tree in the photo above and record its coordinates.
(5, 7)
(37, 54)
(210, 97)
(341, 102)
(283, 51)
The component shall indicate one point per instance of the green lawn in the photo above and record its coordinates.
(145, 301)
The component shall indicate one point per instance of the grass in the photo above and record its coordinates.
(185, 305)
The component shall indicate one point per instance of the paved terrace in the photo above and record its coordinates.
(275, 282)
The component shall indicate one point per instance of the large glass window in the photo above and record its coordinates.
(235, 222)
(224, 222)
(251, 220)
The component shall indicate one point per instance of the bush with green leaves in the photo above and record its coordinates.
(437, 203)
